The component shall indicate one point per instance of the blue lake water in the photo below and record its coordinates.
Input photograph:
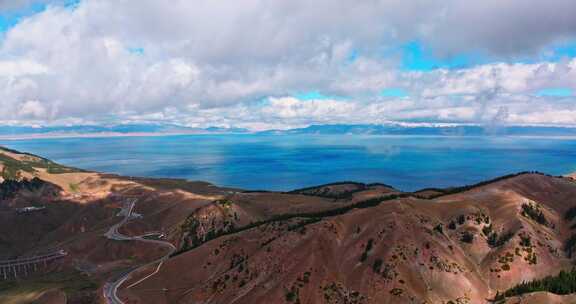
(285, 162)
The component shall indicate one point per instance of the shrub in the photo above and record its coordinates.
(438, 228)
(367, 250)
(569, 245)
(377, 265)
(487, 230)
(533, 212)
(525, 241)
(461, 219)
(496, 241)
(467, 237)
(492, 239)
(449, 191)
(372, 202)
(291, 295)
(570, 214)
(563, 283)
(396, 291)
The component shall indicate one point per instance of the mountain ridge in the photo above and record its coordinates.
(416, 129)
(336, 243)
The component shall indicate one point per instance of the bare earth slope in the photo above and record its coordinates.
(337, 243)
(405, 250)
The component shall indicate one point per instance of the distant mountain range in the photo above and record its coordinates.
(431, 129)
(122, 129)
(332, 129)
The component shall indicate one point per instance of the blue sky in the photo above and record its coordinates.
(556, 92)
(8, 19)
(101, 60)
(394, 92)
(416, 56)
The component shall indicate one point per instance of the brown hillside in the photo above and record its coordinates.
(337, 243)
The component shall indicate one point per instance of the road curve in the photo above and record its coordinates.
(110, 290)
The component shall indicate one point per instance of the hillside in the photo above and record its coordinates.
(338, 243)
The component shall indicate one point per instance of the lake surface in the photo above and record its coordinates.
(285, 162)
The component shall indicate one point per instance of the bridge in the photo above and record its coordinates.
(21, 267)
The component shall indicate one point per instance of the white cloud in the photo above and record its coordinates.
(32, 109)
(516, 78)
(503, 27)
(7, 5)
(16, 68)
(209, 62)
(290, 112)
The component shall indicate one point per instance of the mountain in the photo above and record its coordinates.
(121, 129)
(328, 129)
(430, 129)
(140, 240)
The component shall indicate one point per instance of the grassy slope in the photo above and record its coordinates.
(74, 285)
(13, 167)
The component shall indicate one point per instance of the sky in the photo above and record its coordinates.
(269, 64)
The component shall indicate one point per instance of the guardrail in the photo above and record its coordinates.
(21, 267)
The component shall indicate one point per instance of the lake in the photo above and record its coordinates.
(285, 162)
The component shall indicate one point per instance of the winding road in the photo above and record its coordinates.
(110, 289)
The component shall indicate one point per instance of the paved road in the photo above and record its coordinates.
(110, 289)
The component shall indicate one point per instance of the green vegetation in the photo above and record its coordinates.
(29, 164)
(494, 240)
(533, 212)
(191, 224)
(467, 237)
(396, 291)
(324, 191)
(377, 265)
(9, 188)
(561, 284)
(75, 285)
(487, 230)
(301, 226)
(51, 167)
(367, 249)
(570, 214)
(570, 245)
(293, 294)
(454, 190)
(531, 258)
(508, 257)
(224, 203)
(525, 241)
(73, 187)
(12, 166)
(461, 219)
(338, 293)
(438, 228)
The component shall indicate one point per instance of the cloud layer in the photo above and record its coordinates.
(240, 63)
